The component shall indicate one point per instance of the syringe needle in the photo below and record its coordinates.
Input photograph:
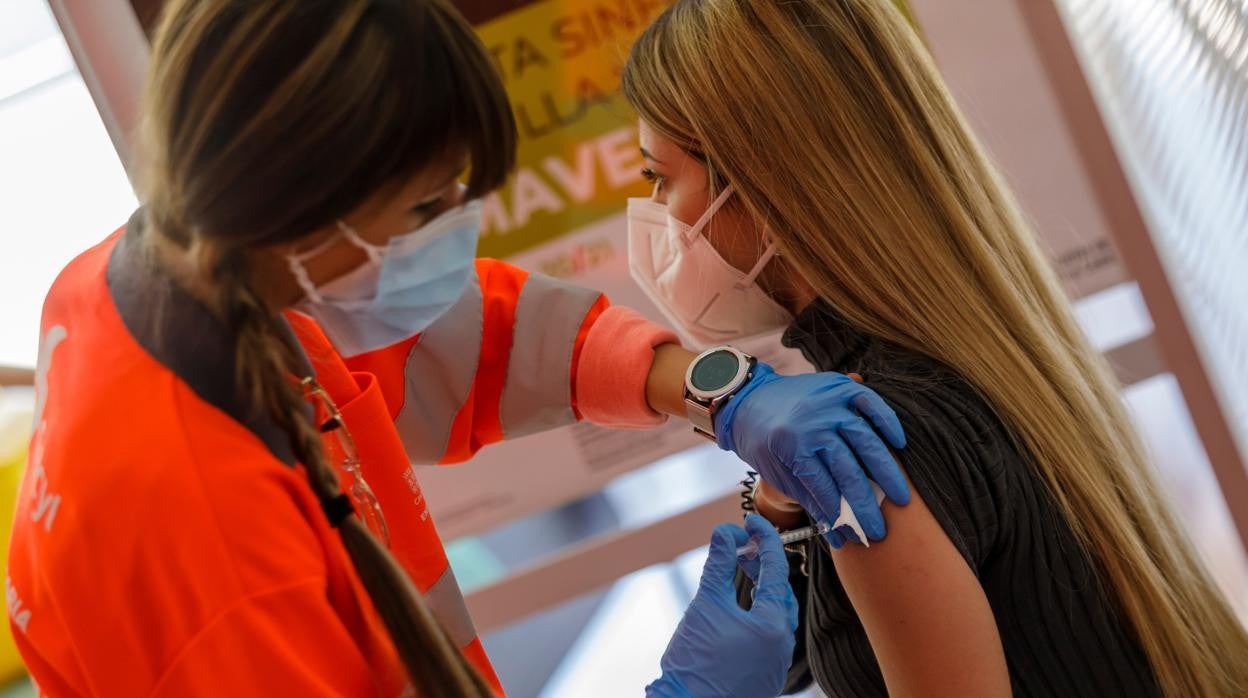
(750, 549)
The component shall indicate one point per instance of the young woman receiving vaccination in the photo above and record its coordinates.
(232, 388)
(811, 145)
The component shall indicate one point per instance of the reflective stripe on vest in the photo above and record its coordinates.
(538, 394)
(440, 371)
(446, 602)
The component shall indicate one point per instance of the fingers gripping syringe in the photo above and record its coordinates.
(845, 518)
(750, 549)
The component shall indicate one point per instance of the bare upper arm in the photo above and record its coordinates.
(924, 611)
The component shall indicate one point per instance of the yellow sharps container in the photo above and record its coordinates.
(16, 411)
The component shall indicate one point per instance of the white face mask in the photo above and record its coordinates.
(710, 301)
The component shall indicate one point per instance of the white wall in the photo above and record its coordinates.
(62, 187)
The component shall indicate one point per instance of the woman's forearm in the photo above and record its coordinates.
(665, 384)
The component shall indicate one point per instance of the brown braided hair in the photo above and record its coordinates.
(265, 363)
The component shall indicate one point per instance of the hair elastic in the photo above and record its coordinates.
(337, 509)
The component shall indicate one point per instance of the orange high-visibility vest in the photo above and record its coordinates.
(166, 542)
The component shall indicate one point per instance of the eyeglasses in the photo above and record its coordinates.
(342, 449)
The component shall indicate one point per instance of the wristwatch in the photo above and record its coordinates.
(714, 377)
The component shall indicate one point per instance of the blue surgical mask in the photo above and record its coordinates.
(403, 288)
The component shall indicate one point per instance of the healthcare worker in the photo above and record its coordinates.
(232, 388)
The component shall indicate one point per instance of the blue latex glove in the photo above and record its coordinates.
(801, 433)
(720, 649)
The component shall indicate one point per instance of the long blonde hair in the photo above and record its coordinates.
(833, 125)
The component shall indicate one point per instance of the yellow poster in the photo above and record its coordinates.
(578, 158)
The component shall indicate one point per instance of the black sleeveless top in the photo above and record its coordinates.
(1061, 634)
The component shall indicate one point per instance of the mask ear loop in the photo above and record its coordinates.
(301, 278)
(768, 255)
(745, 282)
(696, 230)
(295, 262)
(373, 251)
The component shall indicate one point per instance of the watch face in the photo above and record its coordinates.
(715, 371)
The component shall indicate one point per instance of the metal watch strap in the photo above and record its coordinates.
(700, 416)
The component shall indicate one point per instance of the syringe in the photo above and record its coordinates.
(750, 549)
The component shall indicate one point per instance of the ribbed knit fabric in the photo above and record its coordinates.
(1062, 635)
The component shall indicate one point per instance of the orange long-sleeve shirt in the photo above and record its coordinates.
(166, 543)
